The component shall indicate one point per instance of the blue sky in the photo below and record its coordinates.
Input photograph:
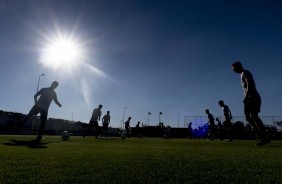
(155, 56)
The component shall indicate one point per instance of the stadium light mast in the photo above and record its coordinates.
(39, 81)
(148, 119)
(160, 117)
(36, 92)
(123, 116)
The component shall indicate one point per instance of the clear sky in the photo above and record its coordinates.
(155, 56)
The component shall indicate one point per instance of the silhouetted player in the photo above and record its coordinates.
(211, 125)
(190, 130)
(138, 131)
(127, 127)
(220, 129)
(93, 123)
(252, 102)
(227, 123)
(41, 106)
(106, 121)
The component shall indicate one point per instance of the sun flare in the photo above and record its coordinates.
(61, 52)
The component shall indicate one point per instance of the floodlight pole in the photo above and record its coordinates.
(160, 117)
(39, 81)
(178, 120)
(148, 119)
(36, 92)
(123, 116)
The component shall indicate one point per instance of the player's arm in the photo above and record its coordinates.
(56, 101)
(230, 114)
(36, 95)
(99, 117)
(250, 84)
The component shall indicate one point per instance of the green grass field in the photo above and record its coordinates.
(147, 160)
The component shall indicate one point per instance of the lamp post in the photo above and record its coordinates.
(178, 120)
(160, 117)
(148, 120)
(36, 92)
(123, 116)
(39, 81)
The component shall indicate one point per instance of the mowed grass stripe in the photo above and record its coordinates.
(147, 160)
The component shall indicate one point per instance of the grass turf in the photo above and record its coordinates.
(147, 160)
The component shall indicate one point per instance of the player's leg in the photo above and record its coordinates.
(106, 129)
(43, 118)
(33, 111)
(259, 124)
(248, 111)
(97, 129)
(88, 128)
(229, 130)
(127, 131)
(264, 138)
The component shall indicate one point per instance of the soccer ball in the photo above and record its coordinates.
(123, 136)
(65, 135)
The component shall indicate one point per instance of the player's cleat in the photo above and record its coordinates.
(39, 138)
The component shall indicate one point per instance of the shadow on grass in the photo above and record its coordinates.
(274, 144)
(111, 138)
(30, 144)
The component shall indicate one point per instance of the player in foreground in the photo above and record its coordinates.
(252, 102)
(47, 95)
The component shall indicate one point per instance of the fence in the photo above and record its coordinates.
(197, 121)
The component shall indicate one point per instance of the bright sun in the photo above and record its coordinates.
(61, 52)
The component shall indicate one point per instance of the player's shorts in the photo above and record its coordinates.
(35, 110)
(93, 123)
(252, 104)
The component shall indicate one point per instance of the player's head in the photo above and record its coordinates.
(129, 118)
(220, 102)
(108, 112)
(54, 84)
(100, 106)
(207, 111)
(237, 67)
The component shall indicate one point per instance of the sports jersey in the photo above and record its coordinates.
(106, 119)
(248, 83)
(46, 97)
(96, 114)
